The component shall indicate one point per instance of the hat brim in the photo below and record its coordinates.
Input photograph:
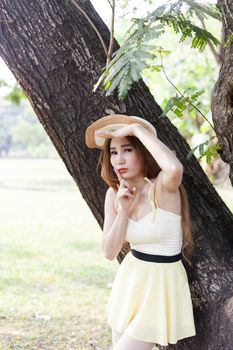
(112, 123)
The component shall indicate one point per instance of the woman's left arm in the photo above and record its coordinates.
(172, 168)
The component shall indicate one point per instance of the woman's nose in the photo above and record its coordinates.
(120, 159)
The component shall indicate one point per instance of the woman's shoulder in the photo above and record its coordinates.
(110, 191)
(110, 194)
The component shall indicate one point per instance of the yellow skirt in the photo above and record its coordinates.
(151, 301)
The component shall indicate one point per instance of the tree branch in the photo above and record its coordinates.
(176, 88)
(110, 49)
(93, 26)
(111, 5)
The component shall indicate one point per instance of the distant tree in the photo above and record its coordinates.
(28, 139)
(5, 142)
(21, 134)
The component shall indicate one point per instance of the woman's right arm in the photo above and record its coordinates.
(114, 226)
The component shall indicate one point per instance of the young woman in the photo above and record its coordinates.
(146, 206)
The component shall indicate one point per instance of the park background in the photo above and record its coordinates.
(54, 280)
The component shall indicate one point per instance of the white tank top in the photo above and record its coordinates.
(158, 232)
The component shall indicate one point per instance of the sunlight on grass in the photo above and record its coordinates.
(54, 280)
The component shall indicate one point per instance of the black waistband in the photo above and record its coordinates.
(156, 258)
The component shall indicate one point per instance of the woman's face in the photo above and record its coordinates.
(125, 158)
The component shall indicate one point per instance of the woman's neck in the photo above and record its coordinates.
(137, 182)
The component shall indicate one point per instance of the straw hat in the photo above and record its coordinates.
(112, 123)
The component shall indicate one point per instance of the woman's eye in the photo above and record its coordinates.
(112, 153)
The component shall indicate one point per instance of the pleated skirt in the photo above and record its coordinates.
(151, 301)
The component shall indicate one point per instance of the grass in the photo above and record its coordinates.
(54, 280)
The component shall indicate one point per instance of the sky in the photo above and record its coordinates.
(5, 73)
(142, 8)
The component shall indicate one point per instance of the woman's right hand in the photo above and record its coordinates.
(125, 193)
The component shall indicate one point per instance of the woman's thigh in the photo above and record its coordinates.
(126, 343)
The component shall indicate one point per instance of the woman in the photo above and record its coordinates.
(145, 205)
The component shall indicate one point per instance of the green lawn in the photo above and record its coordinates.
(54, 281)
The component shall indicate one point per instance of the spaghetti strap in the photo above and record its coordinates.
(152, 196)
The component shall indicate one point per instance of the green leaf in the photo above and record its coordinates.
(156, 68)
(115, 82)
(107, 85)
(16, 95)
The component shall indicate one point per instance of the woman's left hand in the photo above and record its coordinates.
(124, 131)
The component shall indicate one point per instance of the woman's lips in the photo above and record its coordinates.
(122, 170)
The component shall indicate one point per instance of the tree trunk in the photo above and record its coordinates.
(222, 96)
(56, 57)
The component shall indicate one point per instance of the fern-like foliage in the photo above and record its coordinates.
(207, 150)
(129, 61)
(178, 104)
(137, 52)
(200, 37)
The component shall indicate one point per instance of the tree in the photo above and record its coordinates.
(56, 57)
(223, 91)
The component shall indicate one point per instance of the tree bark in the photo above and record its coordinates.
(222, 96)
(56, 57)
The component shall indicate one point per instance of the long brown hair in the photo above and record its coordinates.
(151, 169)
